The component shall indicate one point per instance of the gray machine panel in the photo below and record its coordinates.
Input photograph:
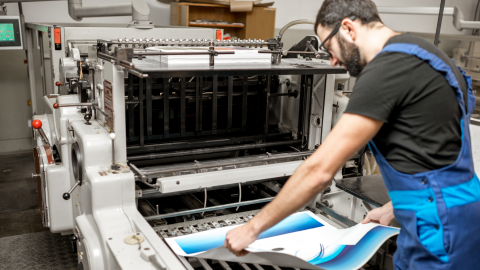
(369, 188)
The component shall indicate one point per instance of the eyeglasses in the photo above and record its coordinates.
(335, 30)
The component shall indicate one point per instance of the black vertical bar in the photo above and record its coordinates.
(304, 108)
(197, 104)
(200, 106)
(148, 98)
(131, 115)
(301, 108)
(140, 98)
(166, 108)
(267, 95)
(257, 102)
(214, 104)
(230, 103)
(182, 107)
(244, 103)
(309, 100)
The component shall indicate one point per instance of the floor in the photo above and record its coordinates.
(24, 242)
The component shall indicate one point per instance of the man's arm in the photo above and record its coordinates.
(350, 133)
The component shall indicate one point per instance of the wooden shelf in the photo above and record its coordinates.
(216, 25)
(259, 23)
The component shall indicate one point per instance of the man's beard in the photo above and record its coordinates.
(351, 57)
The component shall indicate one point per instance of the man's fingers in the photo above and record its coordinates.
(366, 220)
(240, 253)
(243, 253)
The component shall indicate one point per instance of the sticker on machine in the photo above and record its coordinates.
(108, 102)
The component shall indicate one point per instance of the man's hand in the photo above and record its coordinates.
(383, 215)
(239, 238)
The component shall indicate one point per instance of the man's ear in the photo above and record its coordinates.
(349, 29)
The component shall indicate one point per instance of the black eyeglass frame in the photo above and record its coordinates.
(335, 30)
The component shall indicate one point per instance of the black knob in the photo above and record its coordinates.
(74, 238)
(87, 118)
(66, 196)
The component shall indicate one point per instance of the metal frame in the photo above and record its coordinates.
(234, 99)
(218, 178)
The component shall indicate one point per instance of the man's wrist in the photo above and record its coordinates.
(388, 210)
(254, 226)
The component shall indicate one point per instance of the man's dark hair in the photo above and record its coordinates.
(333, 12)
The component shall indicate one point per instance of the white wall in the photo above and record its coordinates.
(288, 10)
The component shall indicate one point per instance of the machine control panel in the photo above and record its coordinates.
(10, 33)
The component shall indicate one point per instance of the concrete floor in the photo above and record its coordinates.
(24, 242)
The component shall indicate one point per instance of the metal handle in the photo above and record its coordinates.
(36, 175)
(37, 124)
(56, 105)
(44, 136)
(113, 166)
(66, 195)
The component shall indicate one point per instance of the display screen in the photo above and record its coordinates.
(6, 32)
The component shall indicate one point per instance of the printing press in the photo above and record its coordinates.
(132, 151)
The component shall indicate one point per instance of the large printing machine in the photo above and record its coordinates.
(131, 151)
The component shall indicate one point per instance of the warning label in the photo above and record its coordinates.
(108, 102)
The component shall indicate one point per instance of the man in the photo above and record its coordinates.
(413, 105)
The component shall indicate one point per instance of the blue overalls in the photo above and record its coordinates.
(439, 210)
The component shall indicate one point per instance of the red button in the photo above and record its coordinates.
(36, 124)
(56, 34)
(55, 105)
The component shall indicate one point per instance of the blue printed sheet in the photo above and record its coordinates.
(302, 240)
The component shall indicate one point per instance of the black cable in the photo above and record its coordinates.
(439, 23)
(475, 31)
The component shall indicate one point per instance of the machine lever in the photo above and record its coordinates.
(37, 124)
(88, 115)
(211, 49)
(66, 195)
(56, 105)
(114, 166)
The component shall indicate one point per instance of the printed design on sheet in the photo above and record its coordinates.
(212, 239)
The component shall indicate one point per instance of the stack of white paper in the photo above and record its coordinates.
(240, 55)
(302, 240)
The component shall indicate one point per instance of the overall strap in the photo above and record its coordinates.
(436, 63)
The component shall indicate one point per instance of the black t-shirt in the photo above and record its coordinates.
(420, 111)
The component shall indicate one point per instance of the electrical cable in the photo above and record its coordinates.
(239, 195)
(205, 201)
